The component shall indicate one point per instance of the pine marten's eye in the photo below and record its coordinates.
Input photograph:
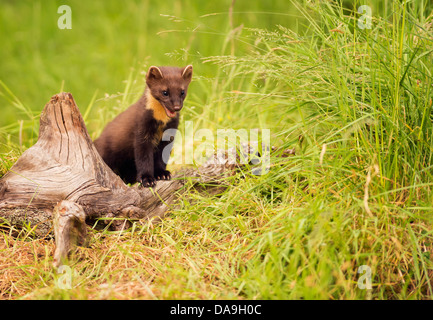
(165, 93)
(182, 93)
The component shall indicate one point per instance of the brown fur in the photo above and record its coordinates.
(131, 144)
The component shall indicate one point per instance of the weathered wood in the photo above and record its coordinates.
(64, 173)
(63, 177)
(69, 228)
(63, 164)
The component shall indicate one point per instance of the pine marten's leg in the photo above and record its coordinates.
(144, 163)
(161, 156)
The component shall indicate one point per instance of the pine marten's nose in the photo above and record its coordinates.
(177, 108)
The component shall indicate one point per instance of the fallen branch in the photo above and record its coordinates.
(62, 177)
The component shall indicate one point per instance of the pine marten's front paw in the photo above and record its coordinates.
(162, 175)
(147, 181)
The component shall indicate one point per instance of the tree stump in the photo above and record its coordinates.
(63, 178)
(61, 183)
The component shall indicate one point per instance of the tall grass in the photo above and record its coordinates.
(359, 191)
(356, 104)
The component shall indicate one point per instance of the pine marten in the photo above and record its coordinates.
(131, 144)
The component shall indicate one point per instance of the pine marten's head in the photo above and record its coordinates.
(169, 85)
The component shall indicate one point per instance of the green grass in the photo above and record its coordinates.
(355, 103)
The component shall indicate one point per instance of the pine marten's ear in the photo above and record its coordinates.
(154, 73)
(187, 73)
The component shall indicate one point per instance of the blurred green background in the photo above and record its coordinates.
(108, 39)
